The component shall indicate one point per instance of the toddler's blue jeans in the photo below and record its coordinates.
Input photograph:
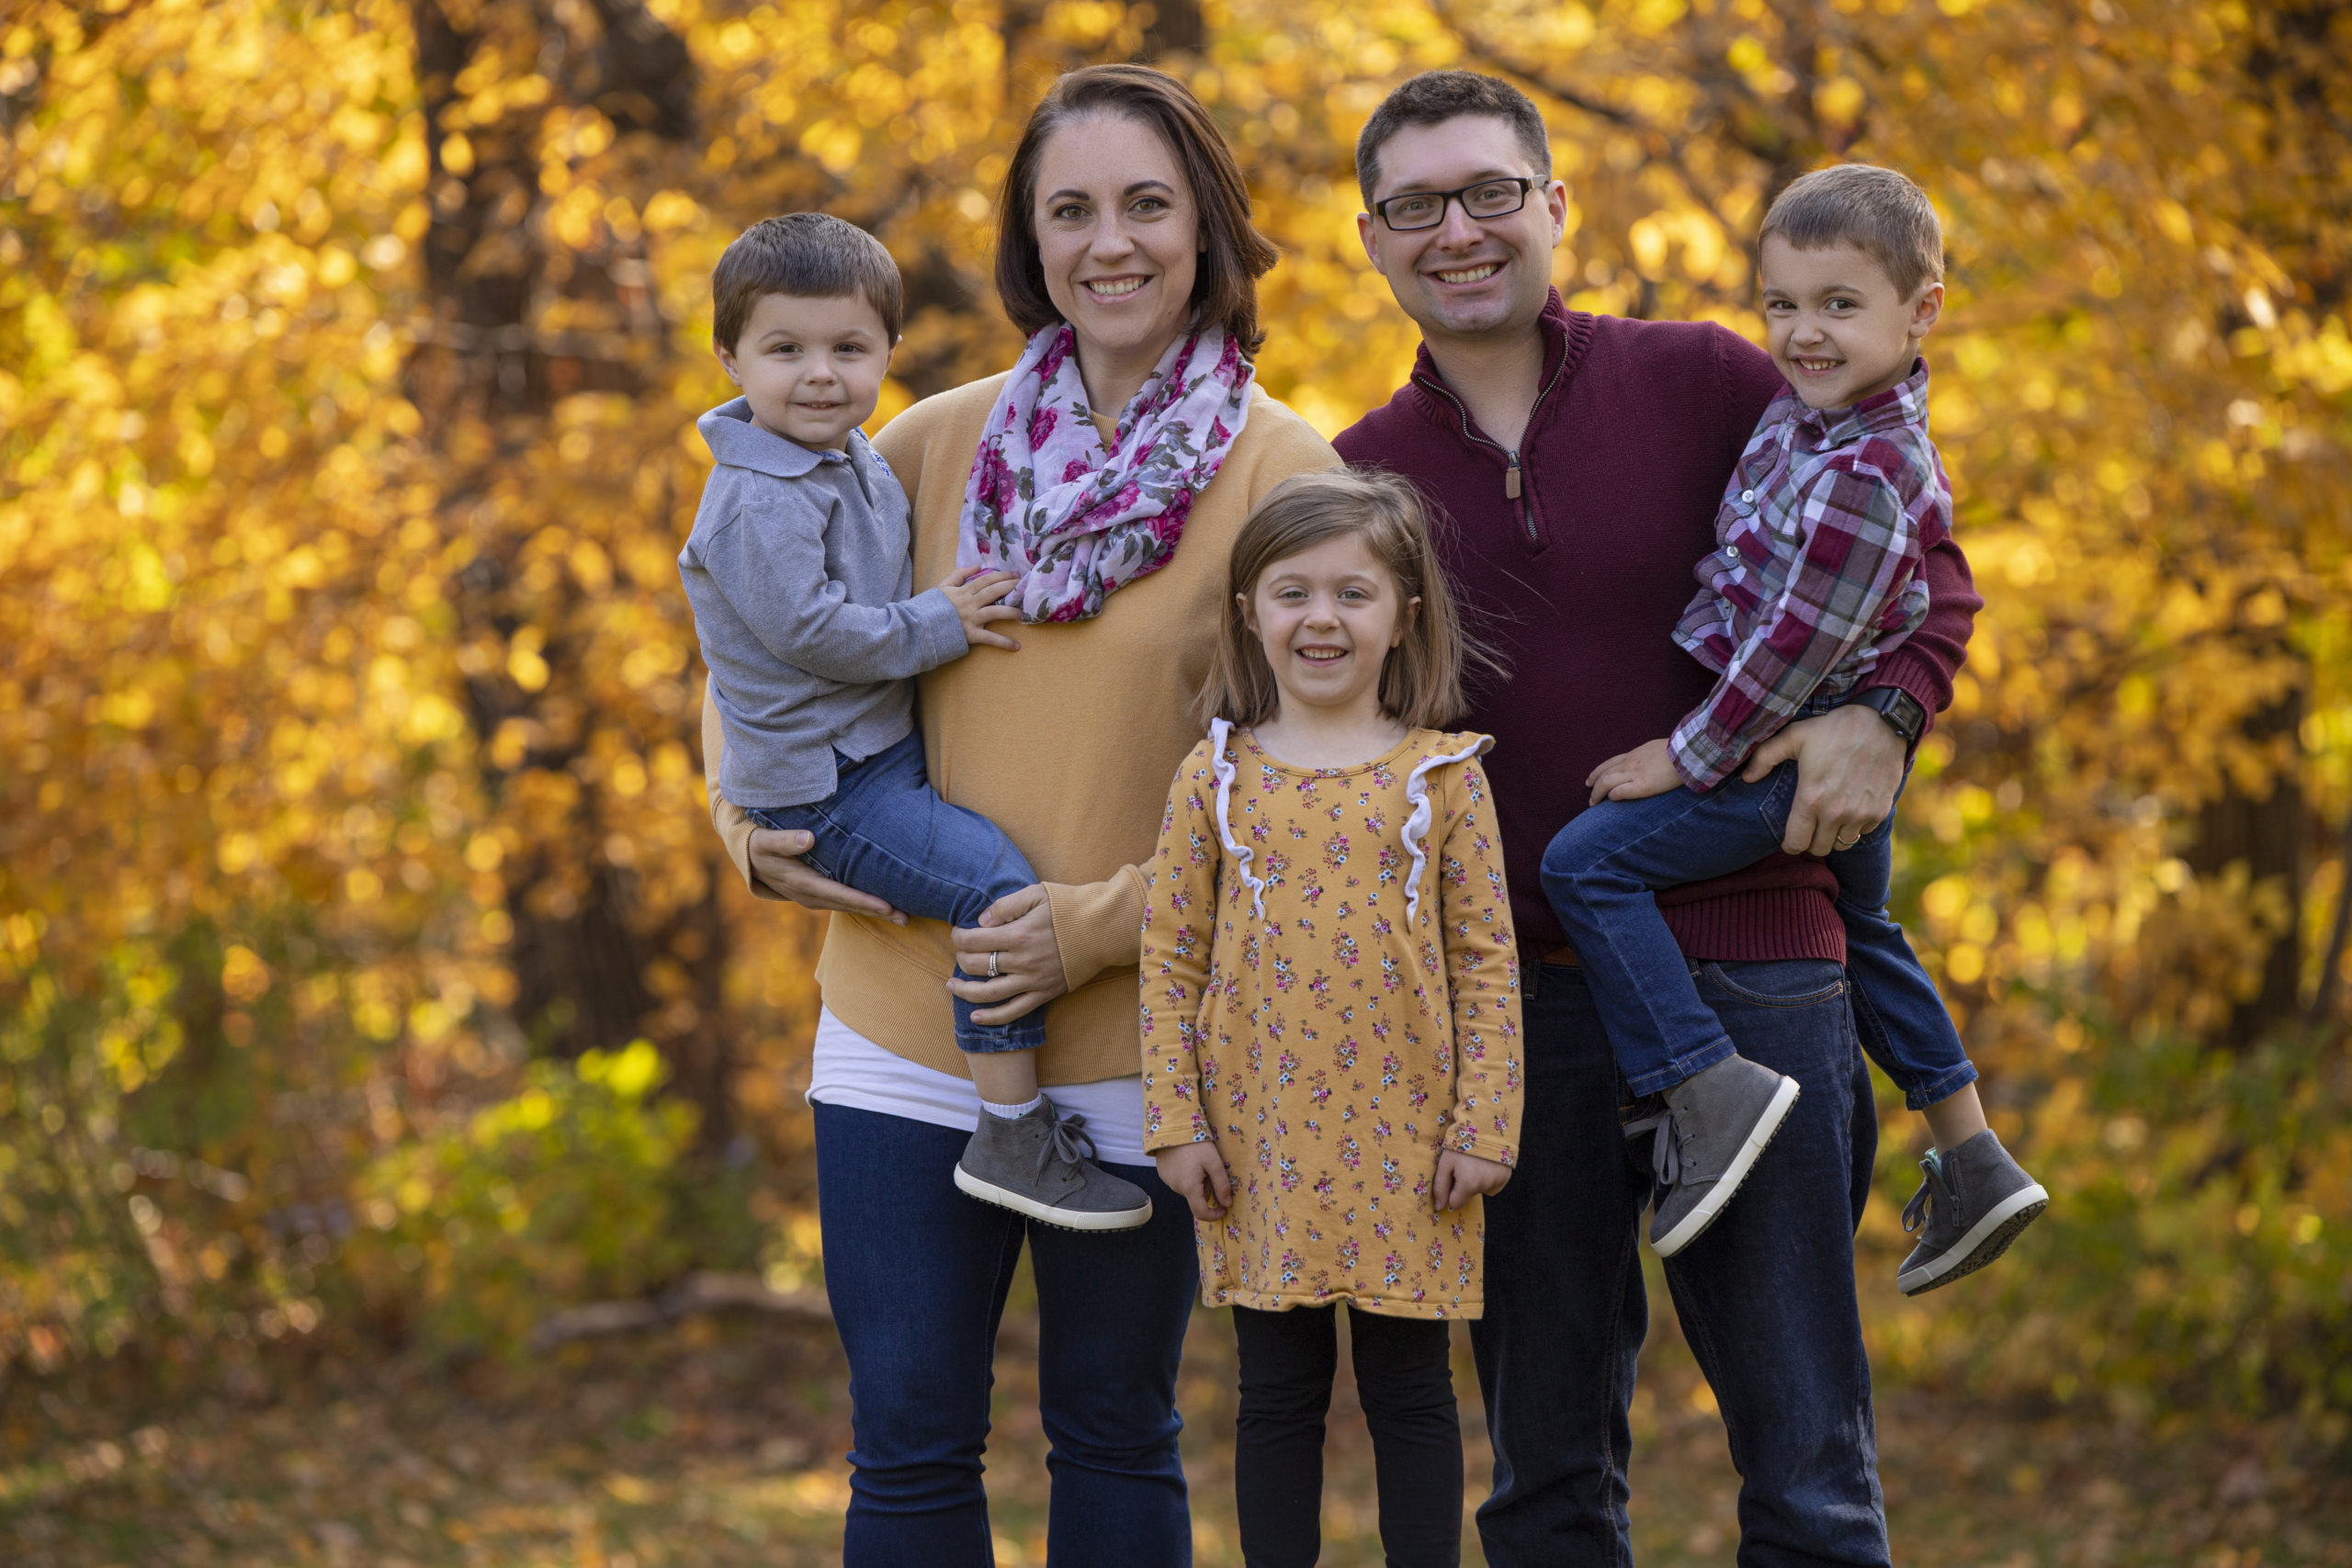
(884, 831)
(1602, 873)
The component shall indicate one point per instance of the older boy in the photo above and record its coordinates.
(799, 571)
(1814, 582)
(1582, 458)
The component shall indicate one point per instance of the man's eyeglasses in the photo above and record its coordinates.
(1426, 209)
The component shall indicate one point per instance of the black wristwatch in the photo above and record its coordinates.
(1898, 707)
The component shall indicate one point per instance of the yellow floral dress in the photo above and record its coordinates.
(1331, 996)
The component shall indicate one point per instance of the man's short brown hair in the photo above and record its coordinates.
(1435, 97)
(1876, 210)
(812, 255)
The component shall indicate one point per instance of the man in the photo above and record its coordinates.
(1582, 458)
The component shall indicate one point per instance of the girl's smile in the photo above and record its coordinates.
(1326, 618)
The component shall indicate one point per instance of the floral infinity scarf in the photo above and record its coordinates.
(1077, 522)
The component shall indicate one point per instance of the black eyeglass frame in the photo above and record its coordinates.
(1445, 198)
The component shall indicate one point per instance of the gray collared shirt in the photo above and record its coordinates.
(798, 573)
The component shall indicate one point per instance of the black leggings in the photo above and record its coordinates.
(1405, 1379)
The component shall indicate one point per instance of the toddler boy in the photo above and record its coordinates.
(799, 576)
(1835, 504)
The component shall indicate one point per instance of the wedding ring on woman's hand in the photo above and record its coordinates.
(993, 958)
(1850, 843)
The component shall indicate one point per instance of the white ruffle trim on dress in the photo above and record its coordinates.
(1220, 731)
(1416, 825)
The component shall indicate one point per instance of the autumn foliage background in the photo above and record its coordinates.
(367, 966)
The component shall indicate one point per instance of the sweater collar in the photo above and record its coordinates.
(738, 443)
(1567, 335)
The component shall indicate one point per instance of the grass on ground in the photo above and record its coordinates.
(719, 1444)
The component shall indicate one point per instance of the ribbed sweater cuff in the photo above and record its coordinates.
(1760, 925)
(1913, 672)
(1097, 925)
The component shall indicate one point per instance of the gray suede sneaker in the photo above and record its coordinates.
(1714, 1125)
(1039, 1165)
(1973, 1204)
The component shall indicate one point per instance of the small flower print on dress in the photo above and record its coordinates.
(1335, 1164)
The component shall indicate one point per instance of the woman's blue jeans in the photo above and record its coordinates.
(917, 1272)
(1602, 873)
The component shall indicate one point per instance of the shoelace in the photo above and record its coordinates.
(1666, 1148)
(1065, 1138)
(1915, 1213)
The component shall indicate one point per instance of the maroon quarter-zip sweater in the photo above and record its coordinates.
(1574, 556)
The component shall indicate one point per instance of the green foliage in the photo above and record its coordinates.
(578, 1188)
(2198, 1244)
(73, 1271)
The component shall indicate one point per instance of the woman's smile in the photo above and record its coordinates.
(1118, 240)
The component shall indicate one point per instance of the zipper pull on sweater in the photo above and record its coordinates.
(1510, 480)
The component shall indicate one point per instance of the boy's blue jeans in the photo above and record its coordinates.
(884, 831)
(1602, 873)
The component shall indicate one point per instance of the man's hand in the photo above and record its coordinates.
(1461, 1178)
(1194, 1173)
(1849, 763)
(775, 860)
(1018, 929)
(1644, 770)
(975, 594)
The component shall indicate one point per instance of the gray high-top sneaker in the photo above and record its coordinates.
(1973, 1204)
(1039, 1165)
(1714, 1125)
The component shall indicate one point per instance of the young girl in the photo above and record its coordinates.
(1330, 1005)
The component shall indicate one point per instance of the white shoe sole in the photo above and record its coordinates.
(1986, 1240)
(1046, 1214)
(1704, 1215)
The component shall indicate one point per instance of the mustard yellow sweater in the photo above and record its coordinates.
(1067, 745)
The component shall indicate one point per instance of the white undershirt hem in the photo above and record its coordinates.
(847, 1069)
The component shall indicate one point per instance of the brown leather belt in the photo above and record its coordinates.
(1564, 956)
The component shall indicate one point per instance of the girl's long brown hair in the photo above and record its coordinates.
(1421, 679)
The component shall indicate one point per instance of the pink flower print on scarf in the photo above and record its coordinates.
(1113, 515)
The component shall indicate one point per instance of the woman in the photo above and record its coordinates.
(1124, 249)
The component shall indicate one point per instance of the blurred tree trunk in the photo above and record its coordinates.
(1175, 26)
(2265, 834)
(594, 967)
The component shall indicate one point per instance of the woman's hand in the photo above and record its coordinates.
(1461, 1178)
(1194, 1173)
(1018, 930)
(1849, 763)
(1646, 770)
(775, 861)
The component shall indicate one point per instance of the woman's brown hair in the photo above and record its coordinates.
(1421, 678)
(1234, 254)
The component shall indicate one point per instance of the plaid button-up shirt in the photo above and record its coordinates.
(1815, 573)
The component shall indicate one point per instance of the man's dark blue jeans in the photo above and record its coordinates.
(917, 1272)
(884, 831)
(1766, 1296)
(1602, 873)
